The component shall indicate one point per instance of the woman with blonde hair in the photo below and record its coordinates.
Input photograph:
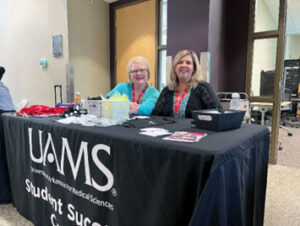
(141, 95)
(185, 92)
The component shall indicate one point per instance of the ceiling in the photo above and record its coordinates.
(293, 14)
(110, 1)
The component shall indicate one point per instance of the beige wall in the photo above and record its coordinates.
(89, 46)
(292, 47)
(27, 27)
(264, 21)
(26, 34)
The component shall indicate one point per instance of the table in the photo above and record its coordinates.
(263, 107)
(296, 100)
(116, 177)
(5, 193)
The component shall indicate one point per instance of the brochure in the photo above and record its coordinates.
(186, 136)
(154, 132)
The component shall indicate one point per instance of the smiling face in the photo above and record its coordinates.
(184, 69)
(138, 73)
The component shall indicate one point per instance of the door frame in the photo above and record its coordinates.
(276, 98)
(112, 33)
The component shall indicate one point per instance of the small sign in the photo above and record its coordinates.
(57, 45)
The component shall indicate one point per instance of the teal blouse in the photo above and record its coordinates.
(147, 102)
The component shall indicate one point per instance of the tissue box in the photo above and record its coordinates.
(94, 107)
(115, 110)
(216, 121)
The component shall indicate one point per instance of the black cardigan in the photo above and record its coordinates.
(201, 97)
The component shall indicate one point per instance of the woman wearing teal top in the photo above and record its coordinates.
(142, 96)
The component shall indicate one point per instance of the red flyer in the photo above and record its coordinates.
(186, 136)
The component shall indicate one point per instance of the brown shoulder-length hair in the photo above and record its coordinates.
(195, 78)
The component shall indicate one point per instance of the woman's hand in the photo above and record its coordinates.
(133, 107)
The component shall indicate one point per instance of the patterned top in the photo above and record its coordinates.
(182, 107)
(201, 97)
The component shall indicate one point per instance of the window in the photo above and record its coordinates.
(162, 44)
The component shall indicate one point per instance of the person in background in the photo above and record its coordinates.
(6, 103)
(141, 95)
(185, 92)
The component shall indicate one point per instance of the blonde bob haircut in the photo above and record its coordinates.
(138, 59)
(195, 78)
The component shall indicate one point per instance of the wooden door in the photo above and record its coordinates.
(135, 36)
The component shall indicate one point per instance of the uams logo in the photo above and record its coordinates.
(83, 157)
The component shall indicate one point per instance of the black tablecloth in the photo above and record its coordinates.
(115, 176)
(5, 193)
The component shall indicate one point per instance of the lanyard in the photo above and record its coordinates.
(141, 93)
(178, 101)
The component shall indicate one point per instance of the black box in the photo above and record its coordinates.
(217, 121)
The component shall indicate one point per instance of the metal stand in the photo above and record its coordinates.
(60, 93)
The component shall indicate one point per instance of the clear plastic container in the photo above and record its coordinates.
(235, 102)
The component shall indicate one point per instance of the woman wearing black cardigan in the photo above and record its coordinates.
(185, 92)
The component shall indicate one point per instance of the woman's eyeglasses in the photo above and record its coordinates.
(141, 70)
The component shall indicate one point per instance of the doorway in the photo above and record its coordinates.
(289, 135)
(134, 34)
(266, 41)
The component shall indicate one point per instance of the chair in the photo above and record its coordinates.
(285, 110)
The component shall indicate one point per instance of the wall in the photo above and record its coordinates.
(187, 26)
(216, 43)
(217, 27)
(236, 45)
(26, 34)
(88, 26)
(292, 50)
(264, 21)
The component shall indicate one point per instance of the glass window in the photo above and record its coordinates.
(163, 22)
(162, 45)
(162, 70)
(263, 67)
(266, 15)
